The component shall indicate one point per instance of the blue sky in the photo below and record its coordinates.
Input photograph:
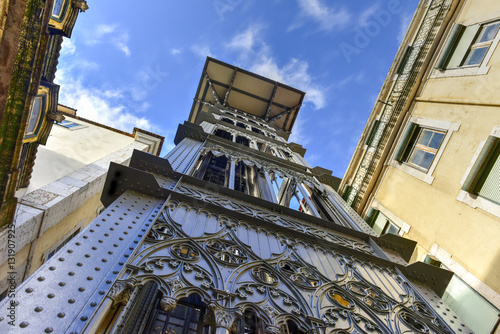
(127, 65)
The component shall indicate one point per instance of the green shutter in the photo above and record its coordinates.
(372, 216)
(472, 308)
(456, 33)
(463, 46)
(473, 182)
(404, 60)
(490, 185)
(410, 130)
(347, 192)
(370, 138)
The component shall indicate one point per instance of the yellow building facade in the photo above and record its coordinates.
(427, 165)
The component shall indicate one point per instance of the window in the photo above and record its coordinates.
(70, 125)
(468, 46)
(227, 120)
(187, 317)
(224, 134)
(380, 223)
(37, 106)
(243, 141)
(54, 250)
(419, 146)
(484, 178)
(481, 44)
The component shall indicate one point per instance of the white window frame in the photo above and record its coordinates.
(448, 127)
(475, 201)
(480, 69)
(403, 226)
(77, 127)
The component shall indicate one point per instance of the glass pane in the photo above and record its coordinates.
(427, 160)
(390, 228)
(35, 114)
(436, 140)
(425, 137)
(476, 56)
(58, 4)
(489, 33)
(416, 156)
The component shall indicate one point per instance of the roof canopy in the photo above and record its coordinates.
(227, 86)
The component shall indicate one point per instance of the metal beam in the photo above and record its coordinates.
(230, 87)
(217, 100)
(266, 116)
(281, 114)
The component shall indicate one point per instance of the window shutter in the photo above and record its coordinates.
(405, 140)
(372, 216)
(373, 132)
(407, 54)
(456, 33)
(490, 185)
(463, 46)
(473, 181)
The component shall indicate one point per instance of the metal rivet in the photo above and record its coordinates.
(38, 309)
(117, 223)
(78, 244)
(85, 237)
(125, 232)
(126, 255)
(101, 292)
(115, 272)
(115, 245)
(71, 301)
(61, 259)
(29, 290)
(61, 315)
(71, 273)
(52, 268)
(97, 268)
(120, 263)
(87, 255)
(100, 241)
(106, 234)
(51, 295)
(108, 282)
(110, 252)
(79, 264)
(62, 284)
(120, 238)
(92, 231)
(90, 278)
(98, 225)
(93, 304)
(23, 324)
(41, 278)
(104, 260)
(70, 251)
(94, 248)
(111, 229)
(49, 330)
(81, 289)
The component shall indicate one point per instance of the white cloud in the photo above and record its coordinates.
(68, 47)
(405, 22)
(201, 50)
(107, 106)
(256, 55)
(296, 74)
(328, 18)
(108, 33)
(175, 51)
(246, 40)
